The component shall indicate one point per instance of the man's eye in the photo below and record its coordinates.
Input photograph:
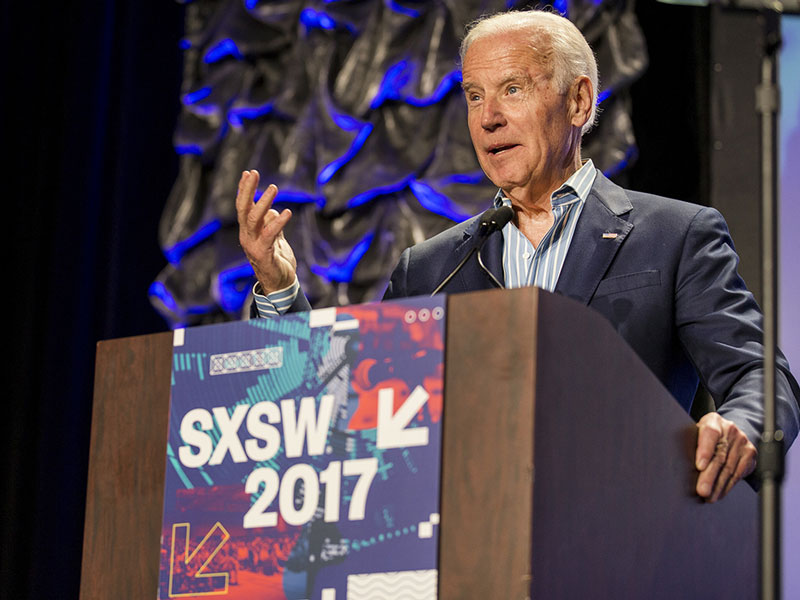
(513, 89)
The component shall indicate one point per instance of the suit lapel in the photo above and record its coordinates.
(598, 237)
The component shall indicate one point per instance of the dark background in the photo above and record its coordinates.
(88, 104)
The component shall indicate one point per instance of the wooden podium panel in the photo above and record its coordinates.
(563, 450)
(487, 446)
(616, 514)
(126, 468)
(567, 469)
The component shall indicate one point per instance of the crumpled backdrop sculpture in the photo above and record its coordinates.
(354, 109)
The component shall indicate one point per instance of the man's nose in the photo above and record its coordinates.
(492, 116)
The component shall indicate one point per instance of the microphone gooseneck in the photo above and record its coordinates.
(497, 221)
(490, 221)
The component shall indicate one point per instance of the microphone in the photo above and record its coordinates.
(485, 221)
(495, 219)
(490, 221)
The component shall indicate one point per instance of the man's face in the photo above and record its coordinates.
(519, 122)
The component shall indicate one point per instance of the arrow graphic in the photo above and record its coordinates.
(393, 430)
(185, 568)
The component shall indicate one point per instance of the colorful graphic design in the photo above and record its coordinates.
(303, 455)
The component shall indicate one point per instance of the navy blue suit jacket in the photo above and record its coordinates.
(668, 283)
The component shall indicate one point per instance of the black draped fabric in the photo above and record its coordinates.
(354, 110)
(89, 102)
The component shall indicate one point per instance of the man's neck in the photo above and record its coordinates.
(535, 200)
(533, 207)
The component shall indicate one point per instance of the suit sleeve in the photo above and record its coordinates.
(397, 287)
(720, 327)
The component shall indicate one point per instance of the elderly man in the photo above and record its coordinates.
(662, 271)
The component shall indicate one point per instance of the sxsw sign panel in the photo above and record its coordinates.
(303, 456)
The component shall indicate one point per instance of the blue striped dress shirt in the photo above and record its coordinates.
(275, 303)
(524, 265)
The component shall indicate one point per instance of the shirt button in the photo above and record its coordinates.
(526, 255)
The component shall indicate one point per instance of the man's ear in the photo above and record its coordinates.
(580, 101)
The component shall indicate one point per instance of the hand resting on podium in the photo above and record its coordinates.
(724, 456)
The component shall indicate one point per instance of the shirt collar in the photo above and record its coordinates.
(579, 184)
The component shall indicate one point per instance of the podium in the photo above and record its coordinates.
(567, 468)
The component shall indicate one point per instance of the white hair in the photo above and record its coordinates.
(559, 44)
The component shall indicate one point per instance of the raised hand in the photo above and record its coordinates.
(261, 235)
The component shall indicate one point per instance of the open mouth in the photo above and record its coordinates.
(501, 148)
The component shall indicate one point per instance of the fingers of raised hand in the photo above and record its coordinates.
(248, 183)
(258, 219)
(261, 234)
(261, 213)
